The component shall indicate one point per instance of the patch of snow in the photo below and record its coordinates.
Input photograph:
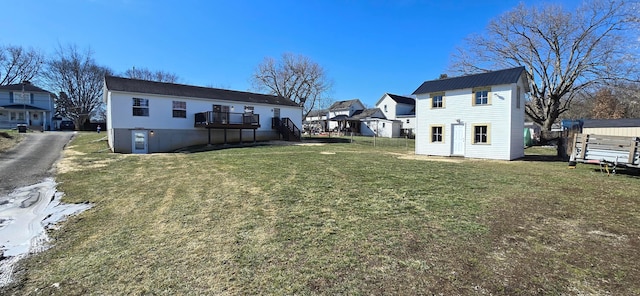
(25, 215)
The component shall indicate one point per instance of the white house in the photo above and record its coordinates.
(476, 116)
(340, 111)
(400, 108)
(25, 103)
(147, 116)
(372, 122)
(380, 127)
(316, 121)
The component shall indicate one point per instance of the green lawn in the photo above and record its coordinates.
(342, 218)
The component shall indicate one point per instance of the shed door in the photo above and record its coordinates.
(458, 139)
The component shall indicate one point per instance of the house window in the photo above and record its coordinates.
(481, 96)
(481, 134)
(518, 98)
(383, 125)
(16, 116)
(20, 98)
(437, 101)
(385, 108)
(436, 133)
(140, 107)
(179, 109)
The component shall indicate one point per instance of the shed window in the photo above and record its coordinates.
(481, 134)
(437, 100)
(482, 96)
(436, 133)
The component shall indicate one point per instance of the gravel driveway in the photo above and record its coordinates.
(29, 202)
(31, 161)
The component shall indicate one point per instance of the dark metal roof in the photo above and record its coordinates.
(114, 83)
(402, 100)
(314, 113)
(341, 105)
(339, 117)
(623, 122)
(506, 76)
(21, 106)
(27, 87)
(367, 113)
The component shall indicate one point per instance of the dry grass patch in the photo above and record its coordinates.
(284, 220)
(9, 139)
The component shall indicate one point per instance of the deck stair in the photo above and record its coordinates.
(287, 129)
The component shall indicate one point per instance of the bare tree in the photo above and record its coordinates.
(629, 95)
(18, 64)
(564, 52)
(79, 81)
(146, 74)
(294, 77)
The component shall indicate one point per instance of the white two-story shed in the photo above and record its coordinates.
(148, 116)
(476, 116)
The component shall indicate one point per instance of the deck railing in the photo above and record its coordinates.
(212, 118)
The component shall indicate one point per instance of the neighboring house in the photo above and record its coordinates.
(340, 111)
(381, 127)
(372, 122)
(408, 127)
(626, 127)
(316, 121)
(25, 103)
(351, 115)
(400, 108)
(477, 116)
(148, 116)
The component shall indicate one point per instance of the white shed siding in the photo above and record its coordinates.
(422, 129)
(109, 115)
(517, 122)
(459, 106)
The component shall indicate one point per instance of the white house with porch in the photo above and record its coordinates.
(476, 116)
(148, 116)
(25, 103)
(340, 111)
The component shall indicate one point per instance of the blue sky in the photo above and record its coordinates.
(367, 47)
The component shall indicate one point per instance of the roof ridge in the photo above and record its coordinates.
(190, 85)
(496, 77)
